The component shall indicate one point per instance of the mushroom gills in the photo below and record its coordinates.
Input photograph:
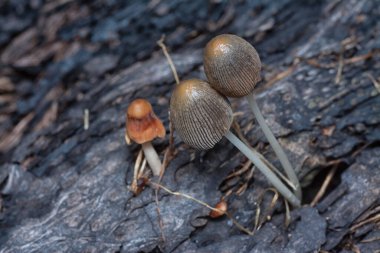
(232, 65)
(200, 114)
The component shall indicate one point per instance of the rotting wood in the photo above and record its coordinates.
(63, 188)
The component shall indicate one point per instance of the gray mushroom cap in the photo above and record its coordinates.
(232, 65)
(200, 115)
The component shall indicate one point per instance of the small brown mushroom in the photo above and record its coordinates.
(221, 209)
(142, 127)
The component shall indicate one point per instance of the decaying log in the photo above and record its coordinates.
(65, 189)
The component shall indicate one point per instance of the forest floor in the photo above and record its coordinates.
(65, 187)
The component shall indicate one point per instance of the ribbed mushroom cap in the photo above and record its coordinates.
(142, 124)
(200, 115)
(232, 65)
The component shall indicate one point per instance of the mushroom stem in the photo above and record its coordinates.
(152, 158)
(264, 169)
(275, 145)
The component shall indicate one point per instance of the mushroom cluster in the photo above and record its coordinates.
(202, 114)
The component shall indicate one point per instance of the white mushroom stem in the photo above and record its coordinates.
(276, 182)
(275, 145)
(152, 158)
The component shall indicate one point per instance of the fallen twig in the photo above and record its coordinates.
(136, 172)
(278, 77)
(86, 119)
(375, 218)
(315, 63)
(14, 137)
(169, 152)
(338, 76)
(324, 186)
(370, 240)
(165, 51)
(258, 224)
(237, 224)
(374, 81)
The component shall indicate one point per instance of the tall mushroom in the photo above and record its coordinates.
(232, 66)
(142, 127)
(202, 116)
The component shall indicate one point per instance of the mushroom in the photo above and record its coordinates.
(232, 66)
(202, 116)
(220, 209)
(142, 127)
(199, 113)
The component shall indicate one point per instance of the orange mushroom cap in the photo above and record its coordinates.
(221, 209)
(142, 124)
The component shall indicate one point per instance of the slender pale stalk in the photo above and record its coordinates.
(274, 169)
(271, 166)
(137, 169)
(168, 58)
(275, 145)
(276, 182)
(152, 158)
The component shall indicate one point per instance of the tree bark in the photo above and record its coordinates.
(65, 189)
